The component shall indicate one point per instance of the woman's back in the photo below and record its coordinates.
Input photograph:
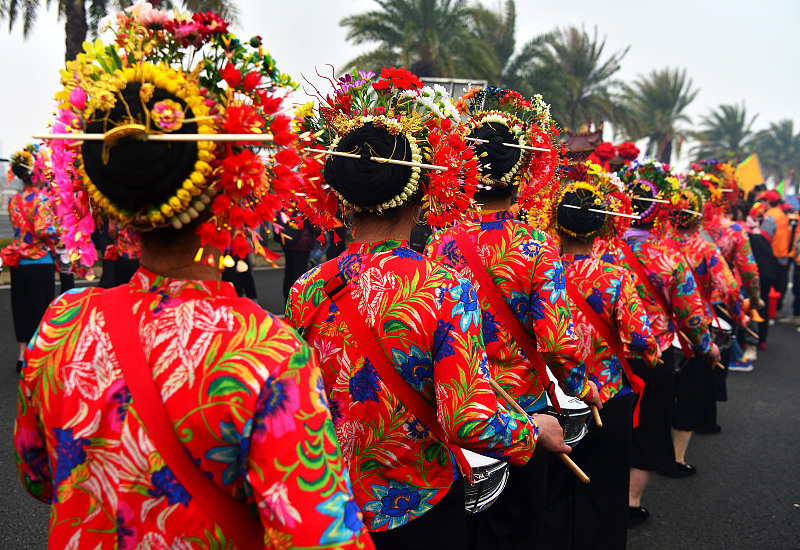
(242, 391)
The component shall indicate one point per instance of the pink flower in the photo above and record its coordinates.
(154, 18)
(77, 98)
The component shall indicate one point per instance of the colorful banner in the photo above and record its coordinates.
(748, 173)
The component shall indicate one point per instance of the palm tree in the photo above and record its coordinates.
(778, 150)
(568, 68)
(428, 37)
(726, 134)
(654, 107)
(82, 16)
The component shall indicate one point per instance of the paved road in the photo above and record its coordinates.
(746, 494)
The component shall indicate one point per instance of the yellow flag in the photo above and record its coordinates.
(748, 173)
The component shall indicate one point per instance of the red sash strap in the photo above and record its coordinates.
(230, 514)
(638, 268)
(503, 311)
(611, 339)
(336, 289)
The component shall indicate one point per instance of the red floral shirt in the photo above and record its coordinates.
(245, 398)
(527, 270)
(127, 243)
(668, 272)
(734, 243)
(712, 274)
(429, 322)
(31, 209)
(610, 292)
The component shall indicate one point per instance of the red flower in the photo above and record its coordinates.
(280, 124)
(242, 172)
(243, 119)
(381, 85)
(222, 203)
(207, 232)
(288, 157)
(401, 78)
(240, 247)
(605, 151)
(231, 75)
(269, 103)
(210, 23)
(251, 81)
(284, 138)
(628, 151)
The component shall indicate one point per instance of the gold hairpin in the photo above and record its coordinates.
(379, 159)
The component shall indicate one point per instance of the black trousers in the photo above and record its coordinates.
(595, 515)
(296, 265)
(651, 444)
(516, 519)
(796, 289)
(444, 526)
(695, 404)
(33, 287)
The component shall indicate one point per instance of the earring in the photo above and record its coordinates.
(347, 220)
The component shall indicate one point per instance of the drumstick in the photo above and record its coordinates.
(563, 456)
(596, 415)
(717, 364)
(728, 315)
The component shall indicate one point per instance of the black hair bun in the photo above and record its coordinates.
(139, 173)
(22, 172)
(581, 221)
(499, 158)
(366, 183)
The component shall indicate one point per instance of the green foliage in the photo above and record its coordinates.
(726, 134)
(654, 108)
(778, 149)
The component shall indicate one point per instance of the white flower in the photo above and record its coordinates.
(141, 6)
(105, 23)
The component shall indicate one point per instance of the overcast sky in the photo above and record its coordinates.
(733, 50)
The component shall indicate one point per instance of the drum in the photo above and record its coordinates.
(722, 333)
(489, 476)
(574, 416)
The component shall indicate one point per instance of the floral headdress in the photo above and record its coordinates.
(688, 206)
(650, 184)
(601, 191)
(710, 188)
(532, 129)
(398, 102)
(25, 157)
(230, 87)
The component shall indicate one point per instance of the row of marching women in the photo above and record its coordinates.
(510, 387)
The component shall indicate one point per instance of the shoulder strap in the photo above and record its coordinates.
(613, 342)
(503, 310)
(230, 514)
(336, 289)
(638, 268)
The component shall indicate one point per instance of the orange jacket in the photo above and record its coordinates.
(781, 246)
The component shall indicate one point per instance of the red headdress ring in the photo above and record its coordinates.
(514, 138)
(426, 139)
(122, 99)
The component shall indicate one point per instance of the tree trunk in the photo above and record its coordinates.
(666, 150)
(76, 27)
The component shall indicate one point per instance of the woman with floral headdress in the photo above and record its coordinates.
(531, 280)
(674, 305)
(605, 305)
(695, 401)
(232, 446)
(425, 317)
(29, 256)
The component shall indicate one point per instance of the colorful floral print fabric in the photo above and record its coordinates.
(32, 204)
(610, 292)
(428, 322)
(245, 397)
(668, 272)
(527, 270)
(734, 243)
(712, 274)
(127, 244)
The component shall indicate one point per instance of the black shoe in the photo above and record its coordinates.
(637, 515)
(679, 470)
(715, 429)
